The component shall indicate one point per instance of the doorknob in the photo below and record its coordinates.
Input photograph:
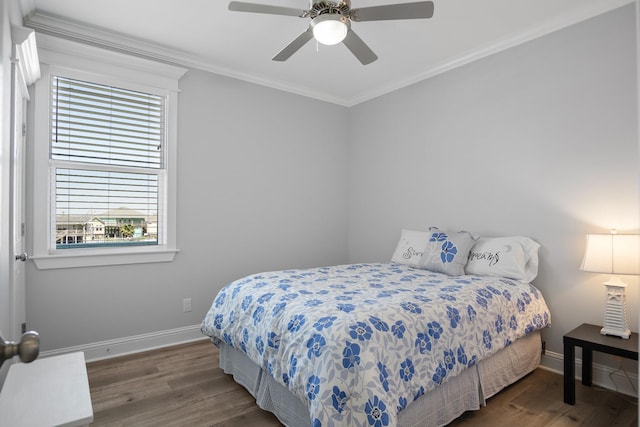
(28, 348)
(22, 257)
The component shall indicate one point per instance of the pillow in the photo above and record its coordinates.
(410, 247)
(446, 252)
(514, 257)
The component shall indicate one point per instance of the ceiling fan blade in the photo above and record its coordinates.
(417, 10)
(240, 6)
(294, 46)
(359, 48)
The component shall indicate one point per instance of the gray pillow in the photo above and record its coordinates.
(447, 252)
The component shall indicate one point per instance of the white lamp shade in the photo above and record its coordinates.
(612, 253)
(329, 30)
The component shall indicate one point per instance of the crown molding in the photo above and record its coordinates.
(75, 31)
(89, 57)
(64, 28)
(82, 33)
(25, 52)
(497, 46)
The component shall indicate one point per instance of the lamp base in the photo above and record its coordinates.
(615, 316)
(616, 332)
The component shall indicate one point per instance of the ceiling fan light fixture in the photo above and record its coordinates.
(330, 28)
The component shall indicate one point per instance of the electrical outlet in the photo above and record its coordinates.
(186, 305)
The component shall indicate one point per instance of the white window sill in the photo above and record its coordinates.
(103, 258)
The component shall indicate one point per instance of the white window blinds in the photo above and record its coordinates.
(107, 151)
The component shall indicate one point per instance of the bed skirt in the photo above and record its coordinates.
(468, 391)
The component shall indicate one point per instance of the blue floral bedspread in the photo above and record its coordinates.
(359, 342)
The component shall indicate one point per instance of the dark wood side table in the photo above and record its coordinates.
(589, 338)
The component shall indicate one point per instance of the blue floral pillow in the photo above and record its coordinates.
(447, 252)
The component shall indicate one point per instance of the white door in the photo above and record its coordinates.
(25, 70)
(18, 230)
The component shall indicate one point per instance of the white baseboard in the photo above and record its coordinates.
(602, 375)
(133, 344)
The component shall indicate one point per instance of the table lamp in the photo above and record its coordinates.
(614, 254)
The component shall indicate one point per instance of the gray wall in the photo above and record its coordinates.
(258, 189)
(539, 140)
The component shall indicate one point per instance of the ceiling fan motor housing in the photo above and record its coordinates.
(322, 7)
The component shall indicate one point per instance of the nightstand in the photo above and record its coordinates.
(589, 338)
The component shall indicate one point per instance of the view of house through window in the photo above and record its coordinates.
(106, 152)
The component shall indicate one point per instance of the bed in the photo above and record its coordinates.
(381, 344)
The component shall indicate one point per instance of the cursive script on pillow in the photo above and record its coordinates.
(410, 247)
(492, 257)
(512, 257)
(410, 252)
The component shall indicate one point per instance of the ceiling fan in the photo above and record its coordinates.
(331, 22)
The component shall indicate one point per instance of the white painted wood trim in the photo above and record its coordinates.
(509, 41)
(554, 362)
(551, 361)
(46, 24)
(26, 53)
(77, 60)
(90, 58)
(133, 344)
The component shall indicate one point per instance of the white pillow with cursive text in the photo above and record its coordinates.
(514, 257)
(410, 247)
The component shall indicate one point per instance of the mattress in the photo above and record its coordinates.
(359, 344)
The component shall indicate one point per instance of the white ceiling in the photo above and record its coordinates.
(204, 34)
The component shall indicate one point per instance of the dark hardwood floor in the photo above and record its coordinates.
(183, 386)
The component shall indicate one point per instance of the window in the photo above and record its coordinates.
(107, 156)
(104, 159)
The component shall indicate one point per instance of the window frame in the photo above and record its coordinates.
(74, 60)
